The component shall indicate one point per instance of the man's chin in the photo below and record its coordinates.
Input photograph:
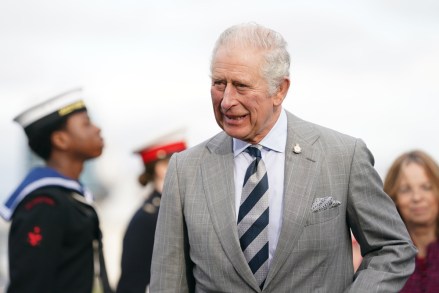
(235, 133)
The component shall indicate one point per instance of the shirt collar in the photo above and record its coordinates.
(275, 140)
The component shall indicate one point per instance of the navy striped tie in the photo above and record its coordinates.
(253, 216)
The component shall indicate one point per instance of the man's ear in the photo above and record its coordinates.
(282, 91)
(60, 139)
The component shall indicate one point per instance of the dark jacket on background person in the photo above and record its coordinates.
(138, 246)
(58, 230)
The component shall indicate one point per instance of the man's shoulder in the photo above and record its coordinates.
(213, 144)
(325, 135)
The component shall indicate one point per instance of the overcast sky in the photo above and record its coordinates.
(367, 68)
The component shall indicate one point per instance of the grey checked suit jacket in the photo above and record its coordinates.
(196, 243)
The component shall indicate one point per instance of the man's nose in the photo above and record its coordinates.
(229, 98)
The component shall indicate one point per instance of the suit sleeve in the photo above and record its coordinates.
(171, 266)
(388, 253)
(35, 244)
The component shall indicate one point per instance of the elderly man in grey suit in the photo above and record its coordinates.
(268, 205)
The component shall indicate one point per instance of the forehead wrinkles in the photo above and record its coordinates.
(232, 72)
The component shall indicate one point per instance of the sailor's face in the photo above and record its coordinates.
(85, 140)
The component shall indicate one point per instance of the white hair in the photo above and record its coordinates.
(251, 35)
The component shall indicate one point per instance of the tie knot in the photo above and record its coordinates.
(254, 151)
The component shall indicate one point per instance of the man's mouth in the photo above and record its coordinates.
(235, 117)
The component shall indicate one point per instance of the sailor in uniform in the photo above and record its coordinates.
(139, 237)
(54, 239)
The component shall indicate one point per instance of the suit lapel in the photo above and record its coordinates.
(218, 182)
(301, 169)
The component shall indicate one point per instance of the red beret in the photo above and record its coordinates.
(157, 152)
(163, 146)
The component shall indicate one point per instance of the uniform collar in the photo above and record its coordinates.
(37, 178)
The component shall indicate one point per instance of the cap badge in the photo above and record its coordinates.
(161, 154)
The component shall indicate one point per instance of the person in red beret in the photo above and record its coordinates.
(139, 237)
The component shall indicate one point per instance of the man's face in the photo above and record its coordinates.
(243, 107)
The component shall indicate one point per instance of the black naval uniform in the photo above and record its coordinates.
(137, 247)
(55, 244)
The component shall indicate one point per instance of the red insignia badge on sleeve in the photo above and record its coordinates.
(34, 237)
(40, 200)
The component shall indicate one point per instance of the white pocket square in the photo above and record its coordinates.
(323, 203)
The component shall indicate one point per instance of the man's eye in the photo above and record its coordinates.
(219, 85)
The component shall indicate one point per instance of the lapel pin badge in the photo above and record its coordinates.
(297, 149)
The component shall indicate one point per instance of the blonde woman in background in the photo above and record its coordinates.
(413, 184)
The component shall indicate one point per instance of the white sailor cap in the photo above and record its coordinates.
(51, 111)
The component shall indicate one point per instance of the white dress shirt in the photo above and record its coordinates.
(273, 154)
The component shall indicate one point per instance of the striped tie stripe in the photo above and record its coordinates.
(253, 216)
(254, 230)
(253, 197)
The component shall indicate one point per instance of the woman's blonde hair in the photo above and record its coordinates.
(393, 177)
